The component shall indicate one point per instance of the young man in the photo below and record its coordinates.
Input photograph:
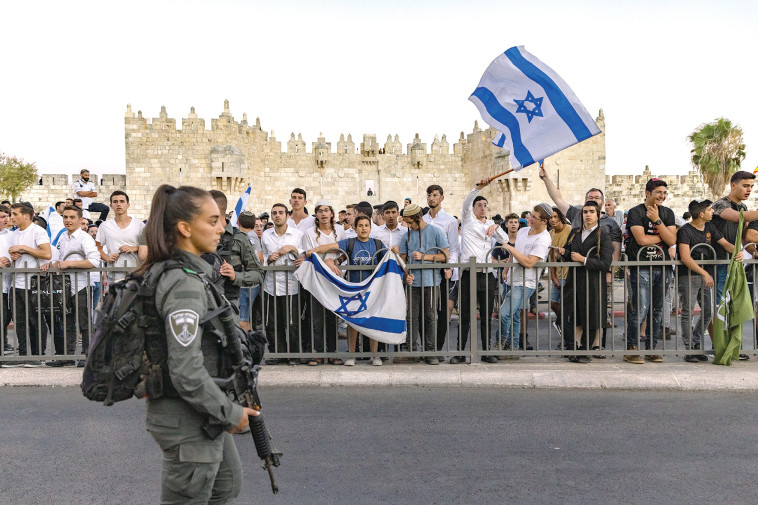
(378, 217)
(247, 295)
(86, 190)
(390, 233)
(281, 246)
(79, 203)
(350, 219)
(119, 237)
(652, 230)
(694, 241)
(437, 216)
(422, 244)
(29, 248)
(75, 249)
(532, 247)
(239, 263)
(298, 217)
(476, 241)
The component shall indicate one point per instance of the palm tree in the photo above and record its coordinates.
(717, 152)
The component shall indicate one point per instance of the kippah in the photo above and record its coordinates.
(547, 208)
(411, 210)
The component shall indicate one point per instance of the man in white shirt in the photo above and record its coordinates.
(118, 239)
(281, 246)
(532, 246)
(476, 242)
(350, 218)
(85, 189)
(299, 218)
(75, 249)
(29, 248)
(79, 203)
(436, 216)
(390, 233)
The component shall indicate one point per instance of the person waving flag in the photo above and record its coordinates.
(534, 110)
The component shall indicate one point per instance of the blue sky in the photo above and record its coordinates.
(658, 70)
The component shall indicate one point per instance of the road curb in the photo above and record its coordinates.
(525, 374)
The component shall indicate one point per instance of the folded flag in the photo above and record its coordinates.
(241, 205)
(534, 110)
(374, 306)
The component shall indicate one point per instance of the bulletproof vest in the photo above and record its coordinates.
(228, 251)
(217, 358)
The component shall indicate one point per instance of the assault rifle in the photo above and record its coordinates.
(242, 386)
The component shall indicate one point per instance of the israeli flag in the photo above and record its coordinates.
(54, 224)
(534, 110)
(374, 306)
(241, 205)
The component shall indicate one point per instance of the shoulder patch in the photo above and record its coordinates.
(183, 325)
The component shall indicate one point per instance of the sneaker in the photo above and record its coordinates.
(57, 363)
(441, 359)
(8, 350)
(580, 359)
(431, 360)
(350, 362)
(654, 358)
(633, 358)
(489, 359)
(744, 357)
(702, 357)
(376, 361)
(458, 359)
(80, 363)
(693, 358)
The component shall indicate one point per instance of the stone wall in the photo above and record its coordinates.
(232, 154)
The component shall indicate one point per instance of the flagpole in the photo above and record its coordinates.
(500, 175)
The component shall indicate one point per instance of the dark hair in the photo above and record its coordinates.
(524, 214)
(220, 198)
(118, 192)
(595, 189)
(6, 209)
(299, 191)
(561, 217)
(77, 200)
(740, 175)
(247, 220)
(75, 209)
(543, 214)
(83, 170)
(360, 218)
(269, 224)
(90, 226)
(58, 203)
(169, 206)
(655, 183)
(686, 216)
(591, 203)
(433, 188)
(510, 216)
(477, 199)
(389, 205)
(363, 209)
(331, 220)
(40, 221)
(6, 202)
(286, 210)
(378, 207)
(23, 209)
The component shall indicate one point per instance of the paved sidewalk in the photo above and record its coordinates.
(528, 373)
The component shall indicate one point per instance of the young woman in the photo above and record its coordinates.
(324, 321)
(184, 223)
(585, 294)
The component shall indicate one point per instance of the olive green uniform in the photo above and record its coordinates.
(242, 257)
(196, 469)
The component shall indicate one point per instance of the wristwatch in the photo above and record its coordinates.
(656, 223)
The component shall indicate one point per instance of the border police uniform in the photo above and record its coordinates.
(196, 469)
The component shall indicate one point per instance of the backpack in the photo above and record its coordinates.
(116, 362)
(351, 245)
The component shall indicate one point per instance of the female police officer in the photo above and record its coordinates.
(184, 223)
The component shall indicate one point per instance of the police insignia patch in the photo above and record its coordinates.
(184, 326)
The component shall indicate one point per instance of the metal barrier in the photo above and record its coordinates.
(468, 324)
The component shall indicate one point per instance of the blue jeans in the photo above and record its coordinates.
(247, 297)
(514, 300)
(721, 271)
(641, 290)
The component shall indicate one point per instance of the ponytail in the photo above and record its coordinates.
(169, 206)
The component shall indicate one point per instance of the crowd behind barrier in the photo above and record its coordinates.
(57, 337)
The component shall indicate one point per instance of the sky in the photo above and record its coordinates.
(658, 69)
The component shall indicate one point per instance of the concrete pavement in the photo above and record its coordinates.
(528, 373)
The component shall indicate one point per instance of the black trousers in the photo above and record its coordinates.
(101, 208)
(78, 321)
(324, 325)
(31, 323)
(486, 286)
(442, 324)
(280, 315)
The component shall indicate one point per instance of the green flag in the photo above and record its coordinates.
(734, 309)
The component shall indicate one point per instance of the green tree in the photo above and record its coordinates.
(16, 176)
(717, 152)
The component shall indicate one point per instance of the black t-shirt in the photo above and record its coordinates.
(691, 236)
(637, 216)
(607, 223)
(727, 228)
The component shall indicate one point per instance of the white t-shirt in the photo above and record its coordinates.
(111, 236)
(529, 245)
(32, 237)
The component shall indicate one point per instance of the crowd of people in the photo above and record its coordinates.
(255, 260)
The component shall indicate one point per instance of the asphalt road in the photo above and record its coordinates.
(407, 446)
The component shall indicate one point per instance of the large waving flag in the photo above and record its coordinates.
(241, 205)
(735, 309)
(534, 110)
(374, 306)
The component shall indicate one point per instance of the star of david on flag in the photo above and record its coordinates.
(535, 112)
(375, 306)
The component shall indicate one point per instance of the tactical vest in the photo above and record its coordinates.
(227, 251)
